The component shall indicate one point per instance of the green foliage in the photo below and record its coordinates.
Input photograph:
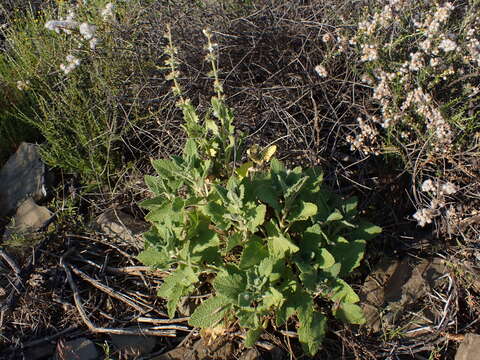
(85, 114)
(269, 242)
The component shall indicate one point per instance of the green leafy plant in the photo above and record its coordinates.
(271, 243)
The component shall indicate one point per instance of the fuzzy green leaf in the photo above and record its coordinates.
(178, 284)
(365, 231)
(342, 292)
(348, 253)
(230, 284)
(151, 257)
(311, 331)
(210, 312)
(335, 216)
(253, 253)
(278, 246)
(302, 211)
(350, 313)
(256, 217)
(252, 336)
(325, 259)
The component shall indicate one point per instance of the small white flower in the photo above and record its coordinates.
(447, 45)
(424, 216)
(87, 30)
(23, 85)
(449, 188)
(73, 60)
(93, 43)
(321, 71)
(429, 186)
(327, 37)
(107, 12)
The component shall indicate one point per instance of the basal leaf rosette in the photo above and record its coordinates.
(267, 243)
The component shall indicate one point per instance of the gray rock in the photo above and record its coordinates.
(28, 219)
(395, 285)
(22, 176)
(122, 227)
(469, 349)
(78, 349)
(134, 345)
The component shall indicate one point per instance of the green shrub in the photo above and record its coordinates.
(270, 242)
(420, 60)
(83, 79)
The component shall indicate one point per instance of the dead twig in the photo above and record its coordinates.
(101, 330)
(141, 307)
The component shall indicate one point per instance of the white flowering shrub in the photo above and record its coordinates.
(421, 61)
(82, 76)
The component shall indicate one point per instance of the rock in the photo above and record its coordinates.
(122, 227)
(219, 350)
(29, 218)
(395, 285)
(250, 354)
(469, 349)
(80, 348)
(40, 352)
(134, 345)
(22, 176)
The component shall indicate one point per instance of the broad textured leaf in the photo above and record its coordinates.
(342, 292)
(272, 299)
(294, 301)
(280, 245)
(276, 166)
(348, 253)
(311, 331)
(248, 318)
(217, 214)
(256, 217)
(210, 312)
(155, 184)
(253, 253)
(178, 284)
(151, 204)
(365, 231)
(293, 191)
(325, 259)
(267, 194)
(230, 285)
(303, 211)
(349, 207)
(234, 240)
(334, 216)
(204, 244)
(350, 313)
(252, 336)
(151, 257)
(242, 171)
(313, 238)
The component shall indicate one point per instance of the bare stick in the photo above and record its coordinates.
(100, 330)
(127, 300)
(162, 321)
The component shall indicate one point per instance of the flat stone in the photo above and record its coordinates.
(22, 176)
(81, 348)
(395, 285)
(123, 228)
(134, 345)
(28, 219)
(469, 349)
